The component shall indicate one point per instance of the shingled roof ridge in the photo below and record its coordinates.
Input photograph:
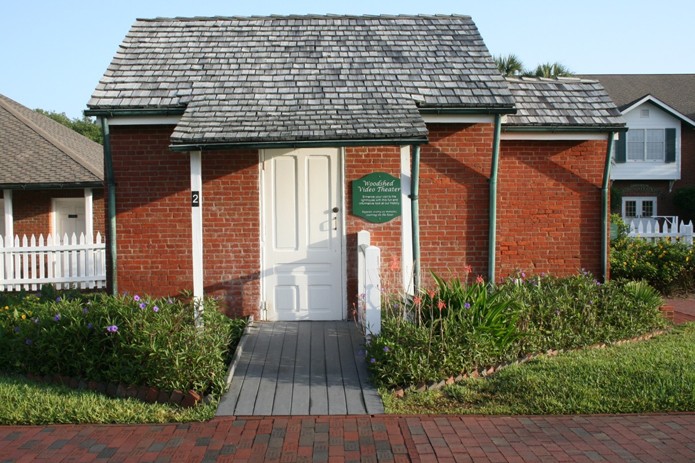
(13, 108)
(305, 16)
(560, 79)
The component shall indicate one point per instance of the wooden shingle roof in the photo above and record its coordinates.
(562, 102)
(38, 151)
(302, 78)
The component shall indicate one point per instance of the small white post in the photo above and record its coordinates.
(372, 290)
(8, 231)
(89, 215)
(406, 223)
(197, 229)
(363, 242)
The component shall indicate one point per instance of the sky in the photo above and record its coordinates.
(53, 52)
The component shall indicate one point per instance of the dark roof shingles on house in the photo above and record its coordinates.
(676, 90)
(297, 78)
(562, 102)
(36, 150)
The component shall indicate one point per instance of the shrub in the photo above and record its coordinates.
(125, 339)
(665, 264)
(457, 327)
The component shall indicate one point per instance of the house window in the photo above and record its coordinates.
(646, 145)
(638, 207)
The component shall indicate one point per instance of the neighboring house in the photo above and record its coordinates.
(51, 177)
(240, 148)
(657, 157)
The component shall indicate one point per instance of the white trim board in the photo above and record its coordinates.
(144, 120)
(554, 136)
(458, 118)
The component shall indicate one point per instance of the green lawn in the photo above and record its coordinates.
(649, 376)
(27, 402)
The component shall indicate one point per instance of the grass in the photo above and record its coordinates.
(25, 402)
(650, 376)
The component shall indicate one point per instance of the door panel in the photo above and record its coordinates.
(69, 217)
(303, 237)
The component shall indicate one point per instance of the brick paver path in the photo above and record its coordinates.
(384, 438)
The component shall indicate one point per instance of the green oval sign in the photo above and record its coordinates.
(377, 197)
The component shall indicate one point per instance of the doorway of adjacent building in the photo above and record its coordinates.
(303, 234)
(68, 218)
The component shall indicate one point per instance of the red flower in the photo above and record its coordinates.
(467, 269)
(431, 293)
(479, 280)
(417, 300)
(440, 305)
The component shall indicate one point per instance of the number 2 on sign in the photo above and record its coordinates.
(195, 199)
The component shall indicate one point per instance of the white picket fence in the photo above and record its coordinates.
(68, 263)
(369, 284)
(652, 229)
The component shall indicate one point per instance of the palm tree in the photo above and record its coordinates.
(509, 65)
(551, 70)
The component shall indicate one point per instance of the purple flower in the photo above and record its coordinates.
(136, 298)
(58, 299)
(373, 360)
(57, 317)
(28, 342)
(467, 305)
(85, 310)
(155, 309)
(16, 329)
(142, 306)
(386, 348)
(112, 328)
(90, 326)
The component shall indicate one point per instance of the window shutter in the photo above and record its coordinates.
(621, 148)
(670, 145)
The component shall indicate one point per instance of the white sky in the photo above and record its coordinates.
(53, 52)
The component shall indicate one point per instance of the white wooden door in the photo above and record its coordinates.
(68, 216)
(303, 235)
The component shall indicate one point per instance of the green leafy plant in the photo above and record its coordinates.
(125, 339)
(457, 327)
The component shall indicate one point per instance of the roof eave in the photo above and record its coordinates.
(51, 185)
(429, 110)
(563, 128)
(130, 112)
(400, 141)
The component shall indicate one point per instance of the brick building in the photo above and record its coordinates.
(51, 178)
(236, 146)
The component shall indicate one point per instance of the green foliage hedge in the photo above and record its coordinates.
(667, 265)
(456, 327)
(125, 339)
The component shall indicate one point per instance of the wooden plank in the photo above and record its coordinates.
(372, 401)
(269, 378)
(282, 405)
(334, 377)
(318, 391)
(302, 371)
(252, 379)
(229, 400)
(349, 356)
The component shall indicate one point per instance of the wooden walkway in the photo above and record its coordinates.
(301, 368)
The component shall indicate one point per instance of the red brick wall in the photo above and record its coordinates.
(549, 207)
(549, 211)
(32, 210)
(454, 192)
(154, 219)
(359, 162)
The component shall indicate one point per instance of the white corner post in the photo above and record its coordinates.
(9, 216)
(89, 215)
(197, 230)
(406, 224)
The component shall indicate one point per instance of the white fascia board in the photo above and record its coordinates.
(554, 136)
(662, 105)
(144, 120)
(458, 118)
